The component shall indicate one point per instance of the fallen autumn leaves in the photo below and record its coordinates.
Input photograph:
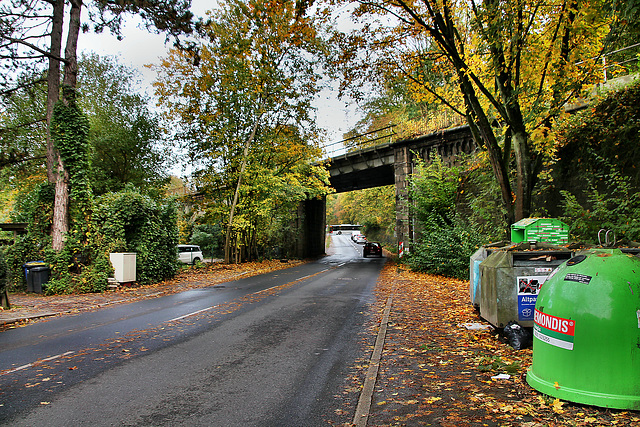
(435, 372)
(432, 371)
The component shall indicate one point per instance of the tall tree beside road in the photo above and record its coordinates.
(31, 36)
(508, 67)
(126, 139)
(257, 77)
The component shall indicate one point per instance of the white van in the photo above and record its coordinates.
(189, 254)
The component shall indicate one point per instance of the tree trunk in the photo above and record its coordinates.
(236, 195)
(60, 225)
(53, 82)
(524, 174)
(484, 136)
(55, 168)
(245, 155)
(70, 51)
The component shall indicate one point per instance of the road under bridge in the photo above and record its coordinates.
(386, 164)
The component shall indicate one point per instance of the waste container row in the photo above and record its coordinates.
(36, 275)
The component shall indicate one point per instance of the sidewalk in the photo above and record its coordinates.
(27, 307)
(435, 371)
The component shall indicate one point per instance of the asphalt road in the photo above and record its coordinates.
(271, 350)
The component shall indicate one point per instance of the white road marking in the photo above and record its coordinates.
(28, 365)
(191, 314)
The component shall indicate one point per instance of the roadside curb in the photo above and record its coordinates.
(11, 320)
(26, 317)
(364, 402)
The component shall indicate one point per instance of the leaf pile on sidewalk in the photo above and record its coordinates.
(435, 372)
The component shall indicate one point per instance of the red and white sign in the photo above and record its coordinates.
(557, 324)
(554, 330)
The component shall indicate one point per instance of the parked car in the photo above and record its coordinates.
(190, 254)
(372, 248)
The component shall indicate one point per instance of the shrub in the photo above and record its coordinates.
(209, 238)
(131, 222)
(445, 248)
(600, 146)
(446, 239)
(118, 222)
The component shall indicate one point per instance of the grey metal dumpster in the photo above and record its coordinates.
(510, 280)
(474, 269)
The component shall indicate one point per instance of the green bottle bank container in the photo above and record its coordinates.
(548, 230)
(586, 346)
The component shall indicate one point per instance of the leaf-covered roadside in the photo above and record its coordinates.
(206, 274)
(435, 372)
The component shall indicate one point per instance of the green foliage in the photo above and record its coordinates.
(245, 115)
(373, 208)
(209, 238)
(69, 131)
(35, 208)
(447, 239)
(617, 209)
(23, 129)
(603, 137)
(131, 222)
(601, 147)
(126, 141)
(434, 189)
(445, 247)
(120, 222)
(480, 200)
(26, 248)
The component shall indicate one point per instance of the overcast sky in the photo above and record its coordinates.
(140, 47)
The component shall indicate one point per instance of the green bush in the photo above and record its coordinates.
(118, 222)
(131, 222)
(446, 240)
(209, 238)
(600, 145)
(616, 208)
(445, 248)
(36, 209)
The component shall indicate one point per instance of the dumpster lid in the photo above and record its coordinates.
(528, 246)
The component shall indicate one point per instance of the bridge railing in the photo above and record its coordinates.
(615, 64)
(358, 142)
(618, 62)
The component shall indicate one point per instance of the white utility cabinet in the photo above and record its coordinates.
(124, 264)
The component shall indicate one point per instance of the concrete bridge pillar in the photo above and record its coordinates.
(311, 228)
(402, 169)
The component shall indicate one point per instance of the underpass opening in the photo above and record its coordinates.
(366, 215)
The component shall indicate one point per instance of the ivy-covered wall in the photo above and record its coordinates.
(596, 179)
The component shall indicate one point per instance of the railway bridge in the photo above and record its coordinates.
(376, 166)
